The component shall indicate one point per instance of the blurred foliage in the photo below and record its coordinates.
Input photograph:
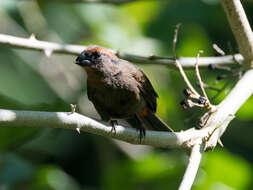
(227, 169)
(156, 171)
(56, 159)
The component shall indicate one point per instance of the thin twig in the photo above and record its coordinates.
(181, 70)
(219, 67)
(177, 62)
(199, 78)
(175, 41)
(206, 86)
(190, 93)
(218, 50)
(221, 90)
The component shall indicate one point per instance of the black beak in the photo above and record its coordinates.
(83, 60)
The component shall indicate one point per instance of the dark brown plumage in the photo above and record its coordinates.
(120, 90)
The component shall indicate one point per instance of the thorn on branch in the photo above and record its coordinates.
(32, 37)
(48, 52)
(78, 130)
(73, 108)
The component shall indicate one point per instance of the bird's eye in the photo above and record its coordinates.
(95, 55)
(86, 54)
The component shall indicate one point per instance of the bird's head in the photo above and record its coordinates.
(94, 56)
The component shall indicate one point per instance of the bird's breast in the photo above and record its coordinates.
(118, 96)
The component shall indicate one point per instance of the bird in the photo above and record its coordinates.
(119, 89)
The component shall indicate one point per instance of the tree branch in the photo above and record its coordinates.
(50, 47)
(75, 121)
(240, 27)
(192, 167)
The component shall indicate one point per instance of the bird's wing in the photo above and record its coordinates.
(146, 89)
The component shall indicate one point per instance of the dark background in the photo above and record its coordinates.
(57, 159)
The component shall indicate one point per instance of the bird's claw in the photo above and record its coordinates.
(114, 123)
(142, 134)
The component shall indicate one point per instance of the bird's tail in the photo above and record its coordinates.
(153, 122)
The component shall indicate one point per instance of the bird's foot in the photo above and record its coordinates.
(142, 134)
(114, 123)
